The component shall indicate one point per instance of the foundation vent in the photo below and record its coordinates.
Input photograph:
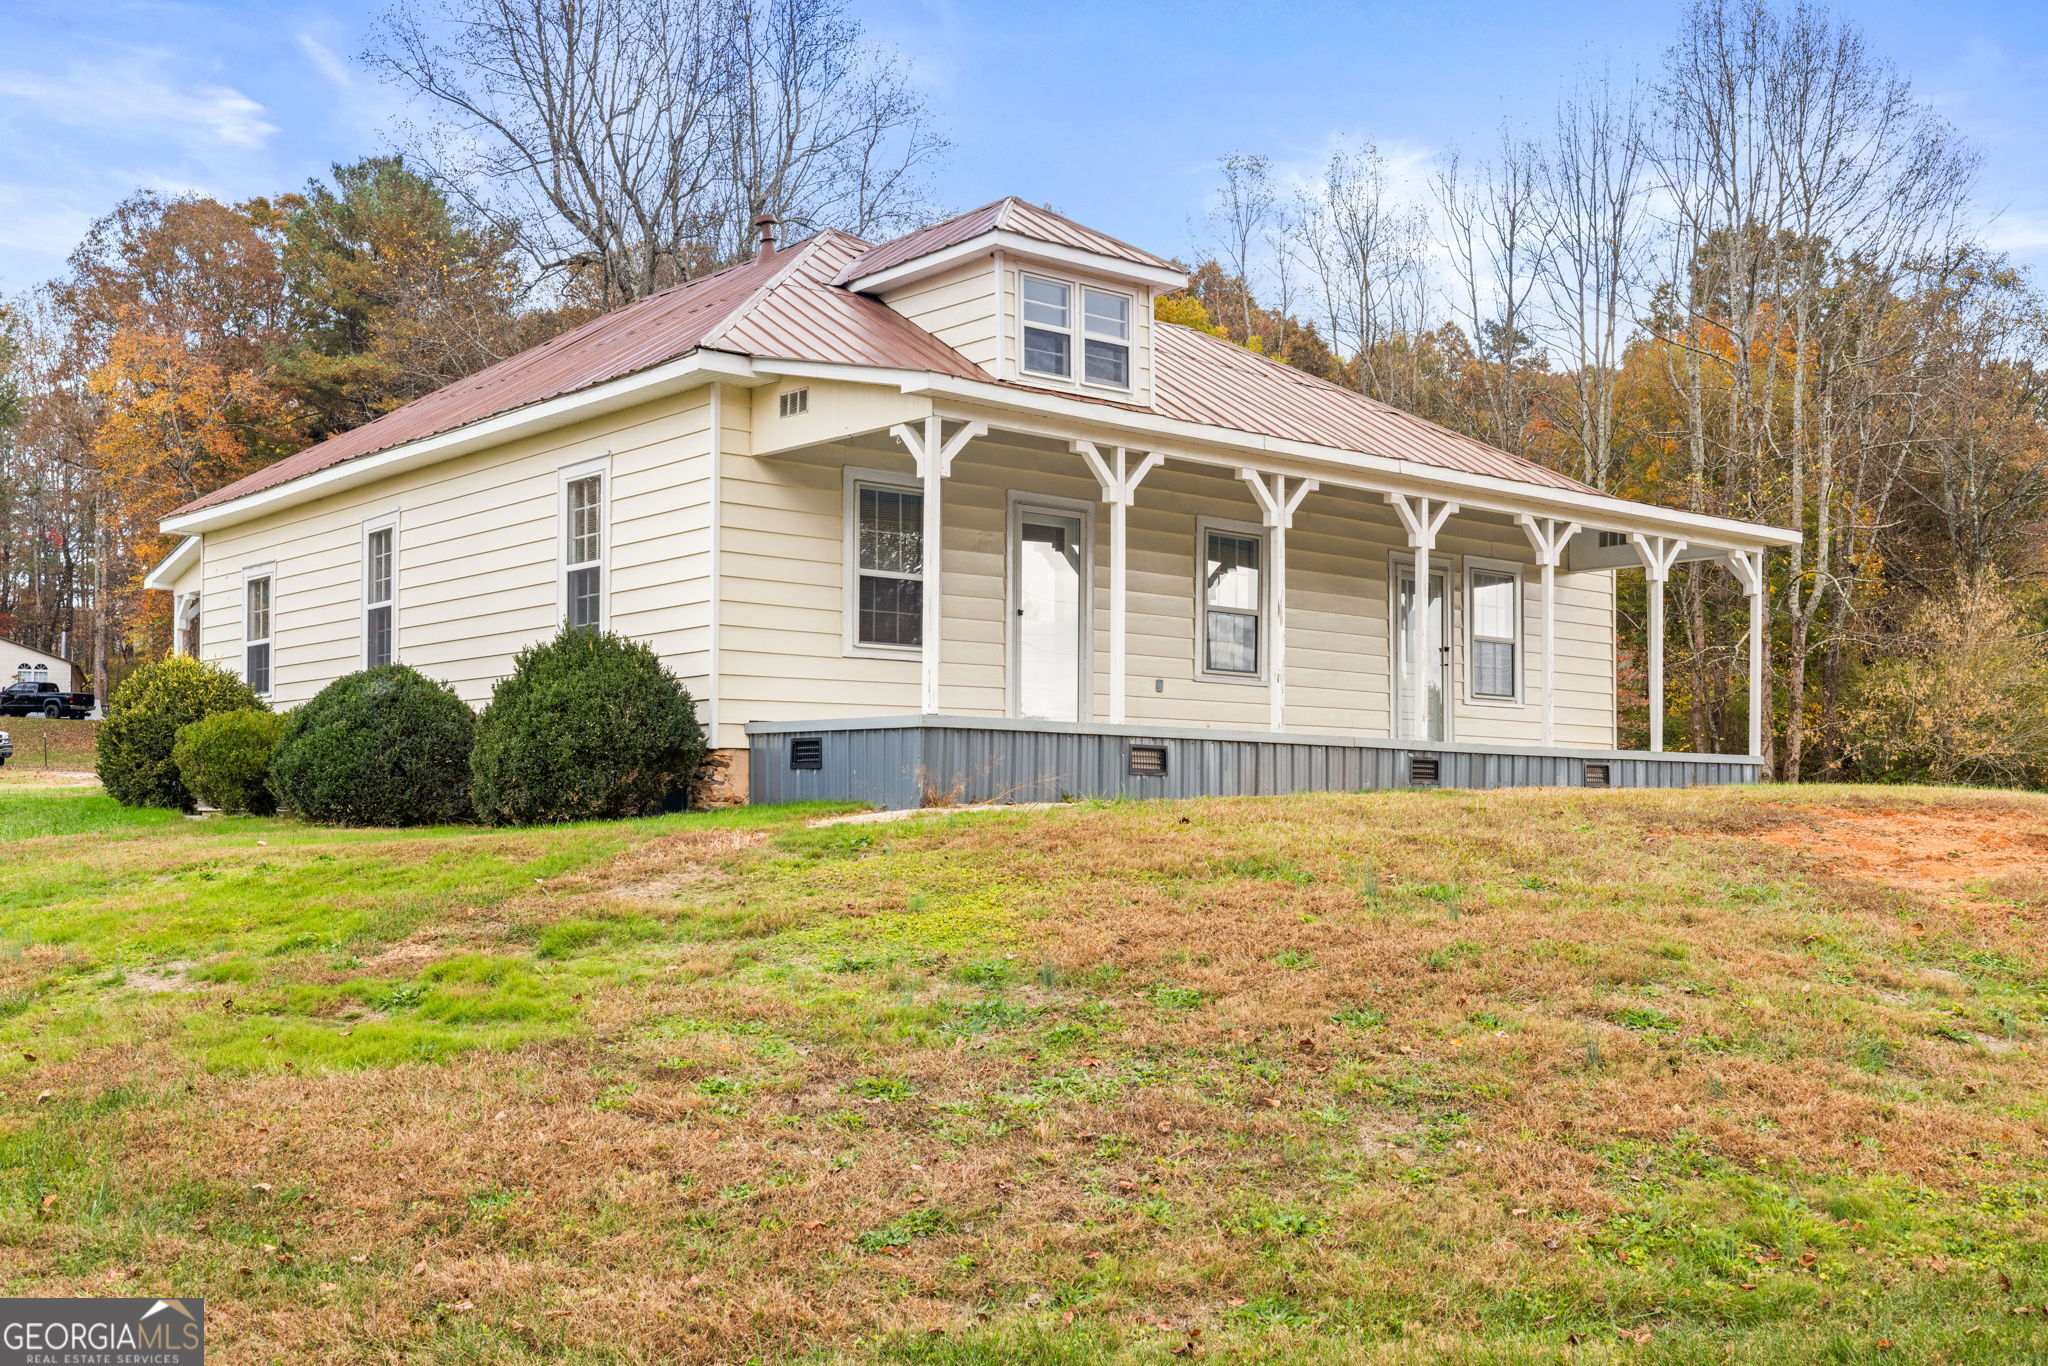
(1423, 772)
(1597, 775)
(793, 402)
(1148, 761)
(807, 751)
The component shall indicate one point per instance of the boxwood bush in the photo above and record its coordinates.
(224, 759)
(135, 742)
(386, 746)
(588, 725)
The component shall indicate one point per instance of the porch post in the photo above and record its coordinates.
(1276, 509)
(933, 453)
(1423, 517)
(1748, 568)
(1548, 536)
(1119, 489)
(1658, 554)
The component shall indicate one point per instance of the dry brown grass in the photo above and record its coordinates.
(687, 1175)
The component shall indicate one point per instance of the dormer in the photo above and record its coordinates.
(1029, 296)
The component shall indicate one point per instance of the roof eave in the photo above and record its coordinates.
(173, 564)
(1019, 245)
(700, 366)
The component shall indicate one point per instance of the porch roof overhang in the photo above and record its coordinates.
(1005, 408)
(173, 564)
(1009, 408)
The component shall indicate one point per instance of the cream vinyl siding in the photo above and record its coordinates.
(958, 306)
(479, 546)
(784, 633)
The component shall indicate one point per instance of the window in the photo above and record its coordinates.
(1048, 328)
(380, 576)
(1107, 346)
(583, 552)
(1495, 613)
(256, 633)
(888, 544)
(1232, 600)
(1051, 335)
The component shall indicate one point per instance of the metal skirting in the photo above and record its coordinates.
(900, 762)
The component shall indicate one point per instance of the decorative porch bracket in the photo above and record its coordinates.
(1548, 537)
(1658, 554)
(1423, 517)
(932, 451)
(1119, 483)
(1277, 503)
(1748, 568)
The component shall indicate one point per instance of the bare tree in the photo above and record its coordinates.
(637, 139)
(1489, 221)
(1242, 218)
(1803, 183)
(1364, 249)
(1590, 214)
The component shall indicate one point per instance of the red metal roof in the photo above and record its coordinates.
(1005, 215)
(1202, 378)
(787, 307)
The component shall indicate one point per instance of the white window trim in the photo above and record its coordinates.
(565, 476)
(1203, 526)
(1397, 560)
(1021, 502)
(850, 642)
(1470, 633)
(250, 573)
(1077, 334)
(386, 522)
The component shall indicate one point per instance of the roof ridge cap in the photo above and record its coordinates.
(797, 255)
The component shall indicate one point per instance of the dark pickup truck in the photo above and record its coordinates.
(43, 699)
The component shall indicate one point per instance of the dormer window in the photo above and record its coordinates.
(1100, 329)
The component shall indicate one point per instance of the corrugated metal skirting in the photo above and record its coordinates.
(896, 766)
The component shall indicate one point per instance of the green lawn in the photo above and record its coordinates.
(1397, 1077)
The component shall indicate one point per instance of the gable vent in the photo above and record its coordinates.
(807, 751)
(1422, 772)
(1598, 775)
(1148, 761)
(792, 402)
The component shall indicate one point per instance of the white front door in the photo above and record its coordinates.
(1047, 641)
(1436, 650)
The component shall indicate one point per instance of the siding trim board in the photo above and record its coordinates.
(901, 762)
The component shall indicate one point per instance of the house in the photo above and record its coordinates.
(954, 516)
(23, 664)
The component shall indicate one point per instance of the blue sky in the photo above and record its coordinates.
(1112, 110)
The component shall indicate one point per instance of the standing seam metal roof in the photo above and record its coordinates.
(786, 306)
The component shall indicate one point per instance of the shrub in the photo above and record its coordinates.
(1961, 696)
(224, 759)
(387, 746)
(144, 716)
(588, 725)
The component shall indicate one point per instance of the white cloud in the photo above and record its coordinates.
(326, 61)
(129, 92)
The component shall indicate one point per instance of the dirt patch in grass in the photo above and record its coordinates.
(668, 867)
(1928, 849)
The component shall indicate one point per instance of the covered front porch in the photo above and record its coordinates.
(1106, 618)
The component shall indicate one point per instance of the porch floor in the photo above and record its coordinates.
(904, 761)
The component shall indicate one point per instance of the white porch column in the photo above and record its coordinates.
(1119, 483)
(933, 453)
(1547, 537)
(1658, 554)
(1276, 509)
(1423, 518)
(1748, 568)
